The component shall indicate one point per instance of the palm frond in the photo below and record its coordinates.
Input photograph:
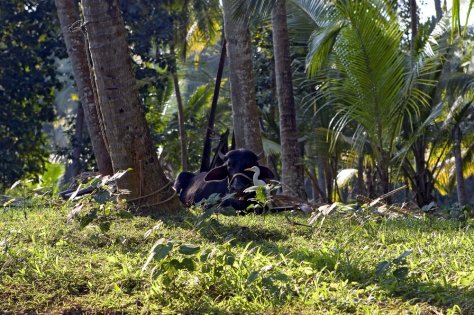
(258, 10)
(200, 99)
(320, 46)
(270, 147)
(370, 82)
(458, 82)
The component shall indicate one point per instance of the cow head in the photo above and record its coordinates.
(236, 163)
(182, 182)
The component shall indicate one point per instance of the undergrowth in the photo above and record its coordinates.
(253, 264)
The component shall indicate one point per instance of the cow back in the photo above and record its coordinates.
(198, 189)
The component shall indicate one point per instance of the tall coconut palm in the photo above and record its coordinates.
(292, 162)
(68, 13)
(244, 105)
(126, 130)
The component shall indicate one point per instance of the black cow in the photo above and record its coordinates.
(231, 177)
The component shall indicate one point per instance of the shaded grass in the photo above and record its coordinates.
(252, 264)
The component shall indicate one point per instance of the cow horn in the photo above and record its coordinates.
(221, 155)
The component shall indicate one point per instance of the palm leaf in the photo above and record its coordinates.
(320, 46)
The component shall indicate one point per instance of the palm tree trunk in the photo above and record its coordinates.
(460, 186)
(126, 129)
(360, 176)
(370, 182)
(77, 143)
(292, 163)
(328, 175)
(242, 83)
(74, 168)
(68, 14)
(315, 185)
(383, 169)
(384, 176)
(424, 185)
(179, 100)
(413, 22)
(206, 154)
(439, 11)
(321, 177)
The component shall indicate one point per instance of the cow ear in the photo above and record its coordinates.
(217, 173)
(265, 172)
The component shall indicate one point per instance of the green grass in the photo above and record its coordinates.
(236, 264)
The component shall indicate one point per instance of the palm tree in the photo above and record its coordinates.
(370, 80)
(126, 129)
(244, 106)
(68, 14)
(457, 137)
(292, 163)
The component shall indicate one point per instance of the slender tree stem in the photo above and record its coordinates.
(179, 100)
(206, 154)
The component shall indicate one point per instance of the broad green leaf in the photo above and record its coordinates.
(229, 259)
(104, 226)
(159, 251)
(382, 268)
(188, 264)
(189, 249)
(88, 218)
(102, 196)
(401, 259)
(401, 273)
(253, 276)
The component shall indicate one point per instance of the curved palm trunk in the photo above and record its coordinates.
(68, 14)
(179, 100)
(292, 164)
(126, 129)
(242, 83)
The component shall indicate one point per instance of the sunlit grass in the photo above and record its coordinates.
(233, 264)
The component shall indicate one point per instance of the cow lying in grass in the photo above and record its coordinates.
(233, 177)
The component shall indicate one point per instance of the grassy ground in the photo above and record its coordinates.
(235, 264)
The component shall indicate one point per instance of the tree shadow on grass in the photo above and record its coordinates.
(214, 230)
(444, 296)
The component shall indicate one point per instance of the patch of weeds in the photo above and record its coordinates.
(102, 205)
(187, 273)
(397, 266)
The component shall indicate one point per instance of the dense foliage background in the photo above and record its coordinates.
(380, 94)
